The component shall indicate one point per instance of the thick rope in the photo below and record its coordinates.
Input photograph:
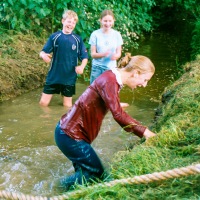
(156, 176)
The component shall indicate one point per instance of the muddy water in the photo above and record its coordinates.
(31, 163)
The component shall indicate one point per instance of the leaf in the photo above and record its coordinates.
(23, 2)
(37, 21)
(10, 2)
(21, 12)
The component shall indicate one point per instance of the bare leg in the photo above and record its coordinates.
(67, 101)
(46, 111)
(45, 99)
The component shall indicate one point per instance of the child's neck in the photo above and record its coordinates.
(106, 31)
(66, 33)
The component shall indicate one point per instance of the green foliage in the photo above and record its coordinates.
(168, 13)
(187, 9)
(132, 18)
(28, 15)
(180, 17)
(195, 44)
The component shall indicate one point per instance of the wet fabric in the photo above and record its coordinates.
(65, 90)
(86, 162)
(67, 50)
(84, 120)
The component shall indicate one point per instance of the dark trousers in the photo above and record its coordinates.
(86, 162)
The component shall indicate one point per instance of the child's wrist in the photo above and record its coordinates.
(41, 54)
(82, 66)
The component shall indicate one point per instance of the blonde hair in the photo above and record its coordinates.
(70, 14)
(107, 12)
(140, 63)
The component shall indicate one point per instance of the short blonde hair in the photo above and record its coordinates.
(140, 63)
(70, 14)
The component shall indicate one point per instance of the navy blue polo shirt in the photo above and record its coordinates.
(67, 50)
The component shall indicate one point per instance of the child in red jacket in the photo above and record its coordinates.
(78, 128)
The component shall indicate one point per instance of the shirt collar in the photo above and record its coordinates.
(118, 76)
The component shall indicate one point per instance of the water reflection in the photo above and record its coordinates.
(30, 162)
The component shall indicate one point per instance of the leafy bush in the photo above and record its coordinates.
(132, 17)
(195, 44)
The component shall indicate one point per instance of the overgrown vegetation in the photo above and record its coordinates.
(21, 68)
(195, 44)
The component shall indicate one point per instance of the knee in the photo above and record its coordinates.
(43, 103)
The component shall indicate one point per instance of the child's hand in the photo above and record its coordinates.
(79, 69)
(148, 134)
(46, 57)
(107, 53)
(114, 56)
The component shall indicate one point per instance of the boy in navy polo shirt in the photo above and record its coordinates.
(67, 48)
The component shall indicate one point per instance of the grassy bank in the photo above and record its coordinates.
(176, 145)
(21, 68)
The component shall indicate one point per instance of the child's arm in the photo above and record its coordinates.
(79, 69)
(97, 55)
(117, 55)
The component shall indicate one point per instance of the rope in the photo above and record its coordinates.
(156, 176)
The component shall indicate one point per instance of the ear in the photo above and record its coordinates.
(135, 73)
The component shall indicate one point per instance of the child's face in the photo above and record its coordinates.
(138, 80)
(68, 25)
(107, 22)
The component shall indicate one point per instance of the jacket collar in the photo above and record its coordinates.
(118, 77)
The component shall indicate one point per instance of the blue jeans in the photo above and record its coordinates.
(87, 164)
(96, 72)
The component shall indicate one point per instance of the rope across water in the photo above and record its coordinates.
(147, 178)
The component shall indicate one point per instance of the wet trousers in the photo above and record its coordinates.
(86, 162)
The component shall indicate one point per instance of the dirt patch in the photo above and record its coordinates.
(21, 68)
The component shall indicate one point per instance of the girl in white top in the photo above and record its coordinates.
(106, 45)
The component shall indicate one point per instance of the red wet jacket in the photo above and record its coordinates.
(84, 120)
